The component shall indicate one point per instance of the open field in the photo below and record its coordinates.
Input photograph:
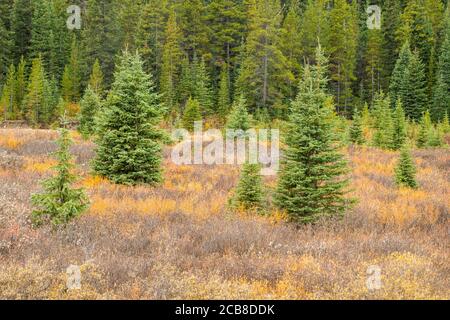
(179, 242)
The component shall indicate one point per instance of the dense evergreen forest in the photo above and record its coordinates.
(219, 51)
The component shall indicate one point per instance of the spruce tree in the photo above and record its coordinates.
(7, 98)
(191, 114)
(398, 126)
(405, 170)
(441, 93)
(201, 86)
(90, 104)
(239, 119)
(21, 15)
(249, 192)
(60, 202)
(311, 183)
(170, 63)
(414, 91)
(382, 122)
(398, 75)
(223, 99)
(264, 75)
(34, 107)
(96, 79)
(425, 131)
(21, 85)
(356, 130)
(71, 77)
(128, 142)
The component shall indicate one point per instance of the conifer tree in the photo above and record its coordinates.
(71, 77)
(441, 93)
(128, 141)
(21, 15)
(223, 99)
(192, 20)
(264, 75)
(34, 104)
(96, 79)
(356, 130)
(398, 75)
(425, 130)
(201, 86)
(383, 125)
(398, 126)
(405, 171)
(21, 85)
(239, 119)
(5, 44)
(191, 114)
(60, 202)
(445, 125)
(414, 90)
(151, 33)
(89, 106)
(101, 38)
(7, 101)
(249, 192)
(226, 21)
(314, 25)
(170, 63)
(342, 47)
(391, 46)
(310, 184)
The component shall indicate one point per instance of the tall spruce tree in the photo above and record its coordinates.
(34, 103)
(7, 98)
(21, 85)
(129, 150)
(264, 75)
(21, 15)
(397, 83)
(311, 183)
(96, 79)
(71, 80)
(441, 93)
(170, 63)
(223, 96)
(413, 93)
(398, 126)
(90, 105)
(382, 123)
(60, 202)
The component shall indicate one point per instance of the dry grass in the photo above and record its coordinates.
(179, 241)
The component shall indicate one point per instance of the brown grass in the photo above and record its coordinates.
(179, 241)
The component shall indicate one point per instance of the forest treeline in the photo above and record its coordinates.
(220, 51)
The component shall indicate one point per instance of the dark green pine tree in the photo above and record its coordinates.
(21, 15)
(223, 99)
(90, 104)
(201, 86)
(356, 129)
(441, 94)
(191, 114)
(311, 183)
(405, 171)
(398, 126)
(414, 91)
(34, 104)
(5, 54)
(129, 150)
(398, 75)
(239, 119)
(249, 191)
(60, 202)
(101, 38)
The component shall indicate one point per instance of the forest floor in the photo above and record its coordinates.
(178, 241)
